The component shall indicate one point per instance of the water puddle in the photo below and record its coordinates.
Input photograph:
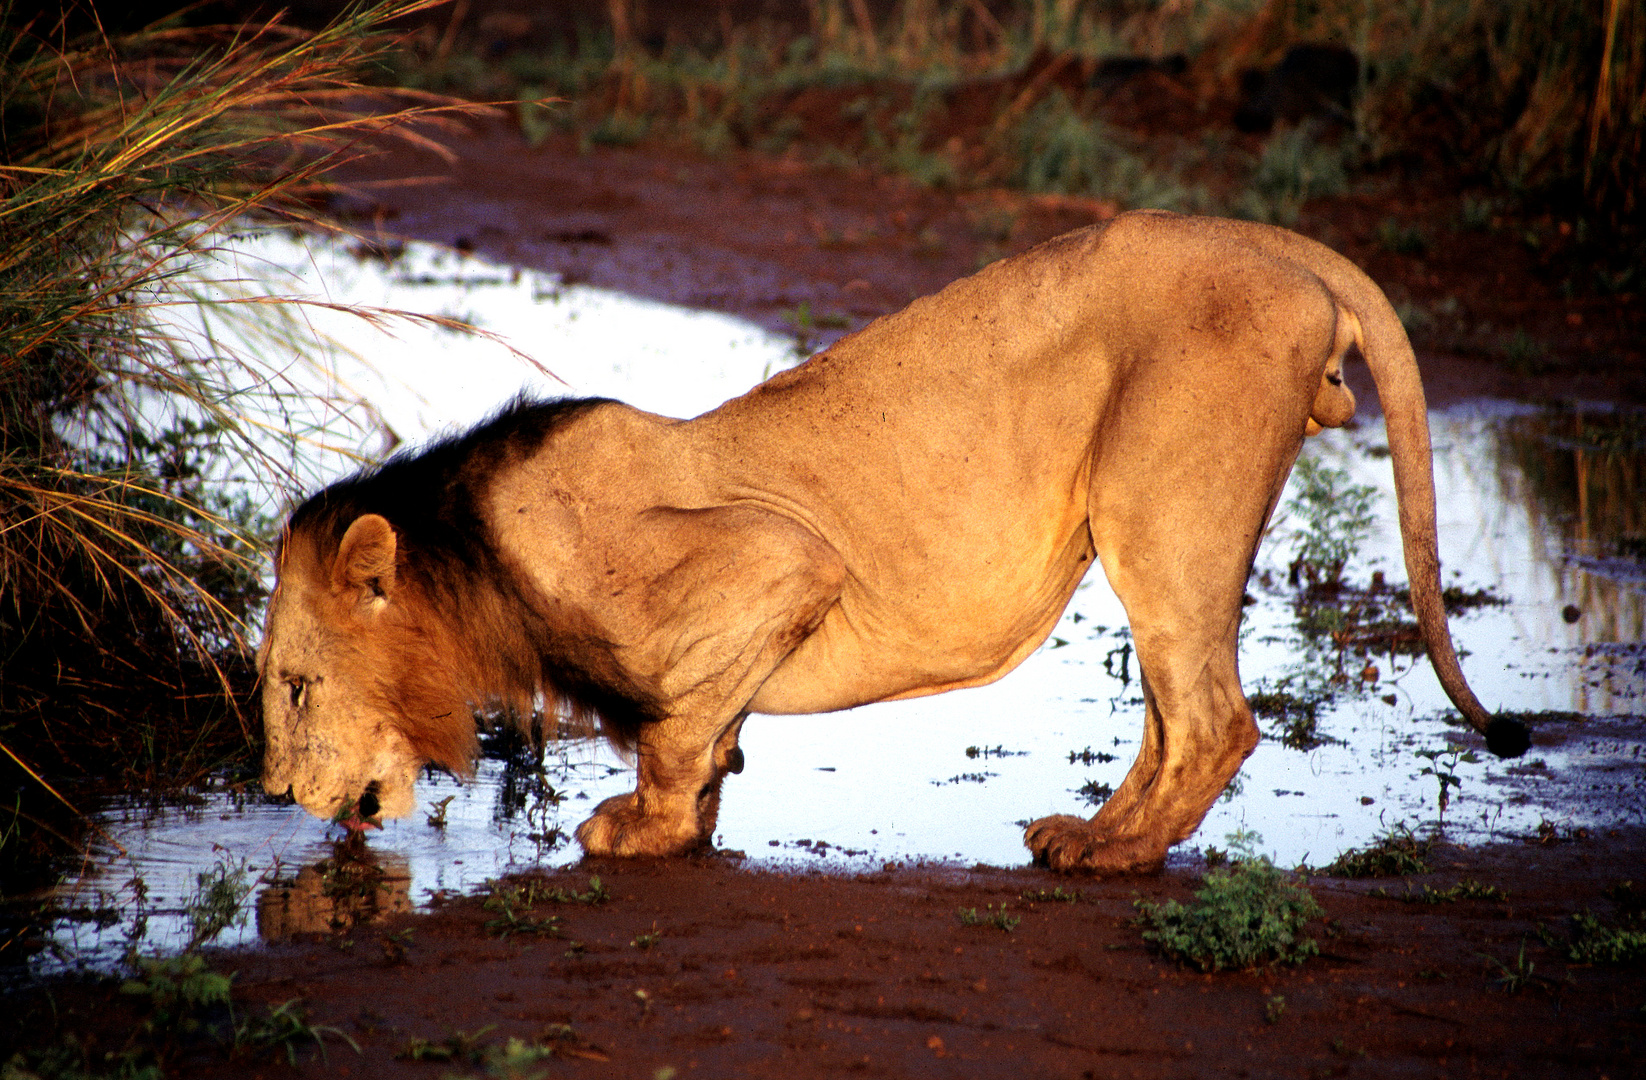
(1541, 527)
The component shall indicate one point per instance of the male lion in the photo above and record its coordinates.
(906, 513)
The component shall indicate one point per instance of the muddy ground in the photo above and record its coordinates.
(703, 967)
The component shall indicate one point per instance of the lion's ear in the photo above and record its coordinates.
(365, 558)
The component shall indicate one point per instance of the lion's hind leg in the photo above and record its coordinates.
(1195, 738)
(1176, 533)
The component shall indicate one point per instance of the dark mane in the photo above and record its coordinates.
(434, 498)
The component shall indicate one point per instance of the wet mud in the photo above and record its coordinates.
(700, 968)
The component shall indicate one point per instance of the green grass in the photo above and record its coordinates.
(1541, 101)
(1057, 149)
(1000, 920)
(1245, 915)
(285, 1028)
(1396, 853)
(1293, 169)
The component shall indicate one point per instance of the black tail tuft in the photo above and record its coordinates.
(1507, 737)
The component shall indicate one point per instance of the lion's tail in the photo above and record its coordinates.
(1388, 352)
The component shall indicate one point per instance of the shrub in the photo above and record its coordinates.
(1396, 853)
(1245, 914)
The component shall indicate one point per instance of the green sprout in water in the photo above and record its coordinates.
(218, 901)
(1337, 518)
(1443, 767)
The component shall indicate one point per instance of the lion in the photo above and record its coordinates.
(907, 512)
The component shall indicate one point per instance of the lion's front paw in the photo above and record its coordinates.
(1070, 845)
(618, 827)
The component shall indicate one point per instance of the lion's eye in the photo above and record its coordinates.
(297, 687)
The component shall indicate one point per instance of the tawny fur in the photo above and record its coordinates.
(906, 513)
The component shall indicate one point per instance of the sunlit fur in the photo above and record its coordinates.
(457, 637)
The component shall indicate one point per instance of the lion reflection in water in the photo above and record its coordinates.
(906, 513)
(353, 887)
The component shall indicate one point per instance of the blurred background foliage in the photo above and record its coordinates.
(1543, 101)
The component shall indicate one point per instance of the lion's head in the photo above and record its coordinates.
(395, 620)
(359, 688)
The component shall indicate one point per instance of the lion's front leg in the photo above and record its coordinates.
(737, 591)
(676, 800)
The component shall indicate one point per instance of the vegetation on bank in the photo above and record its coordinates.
(1533, 103)
(1247, 913)
(131, 545)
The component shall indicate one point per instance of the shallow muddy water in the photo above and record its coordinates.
(1540, 510)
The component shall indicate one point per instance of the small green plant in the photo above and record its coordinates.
(286, 1027)
(458, 1046)
(218, 901)
(1463, 890)
(437, 812)
(1512, 979)
(1337, 517)
(1244, 915)
(514, 905)
(514, 1058)
(1593, 942)
(647, 940)
(515, 901)
(510, 922)
(1442, 766)
(1395, 853)
(1000, 920)
(178, 989)
(1054, 895)
(1274, 1009)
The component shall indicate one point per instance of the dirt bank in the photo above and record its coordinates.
(703, 968)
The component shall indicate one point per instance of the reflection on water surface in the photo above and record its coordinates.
(1541, 510)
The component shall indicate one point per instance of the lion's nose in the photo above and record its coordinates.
(369, 806)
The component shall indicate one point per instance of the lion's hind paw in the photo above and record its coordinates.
(1070, 845)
